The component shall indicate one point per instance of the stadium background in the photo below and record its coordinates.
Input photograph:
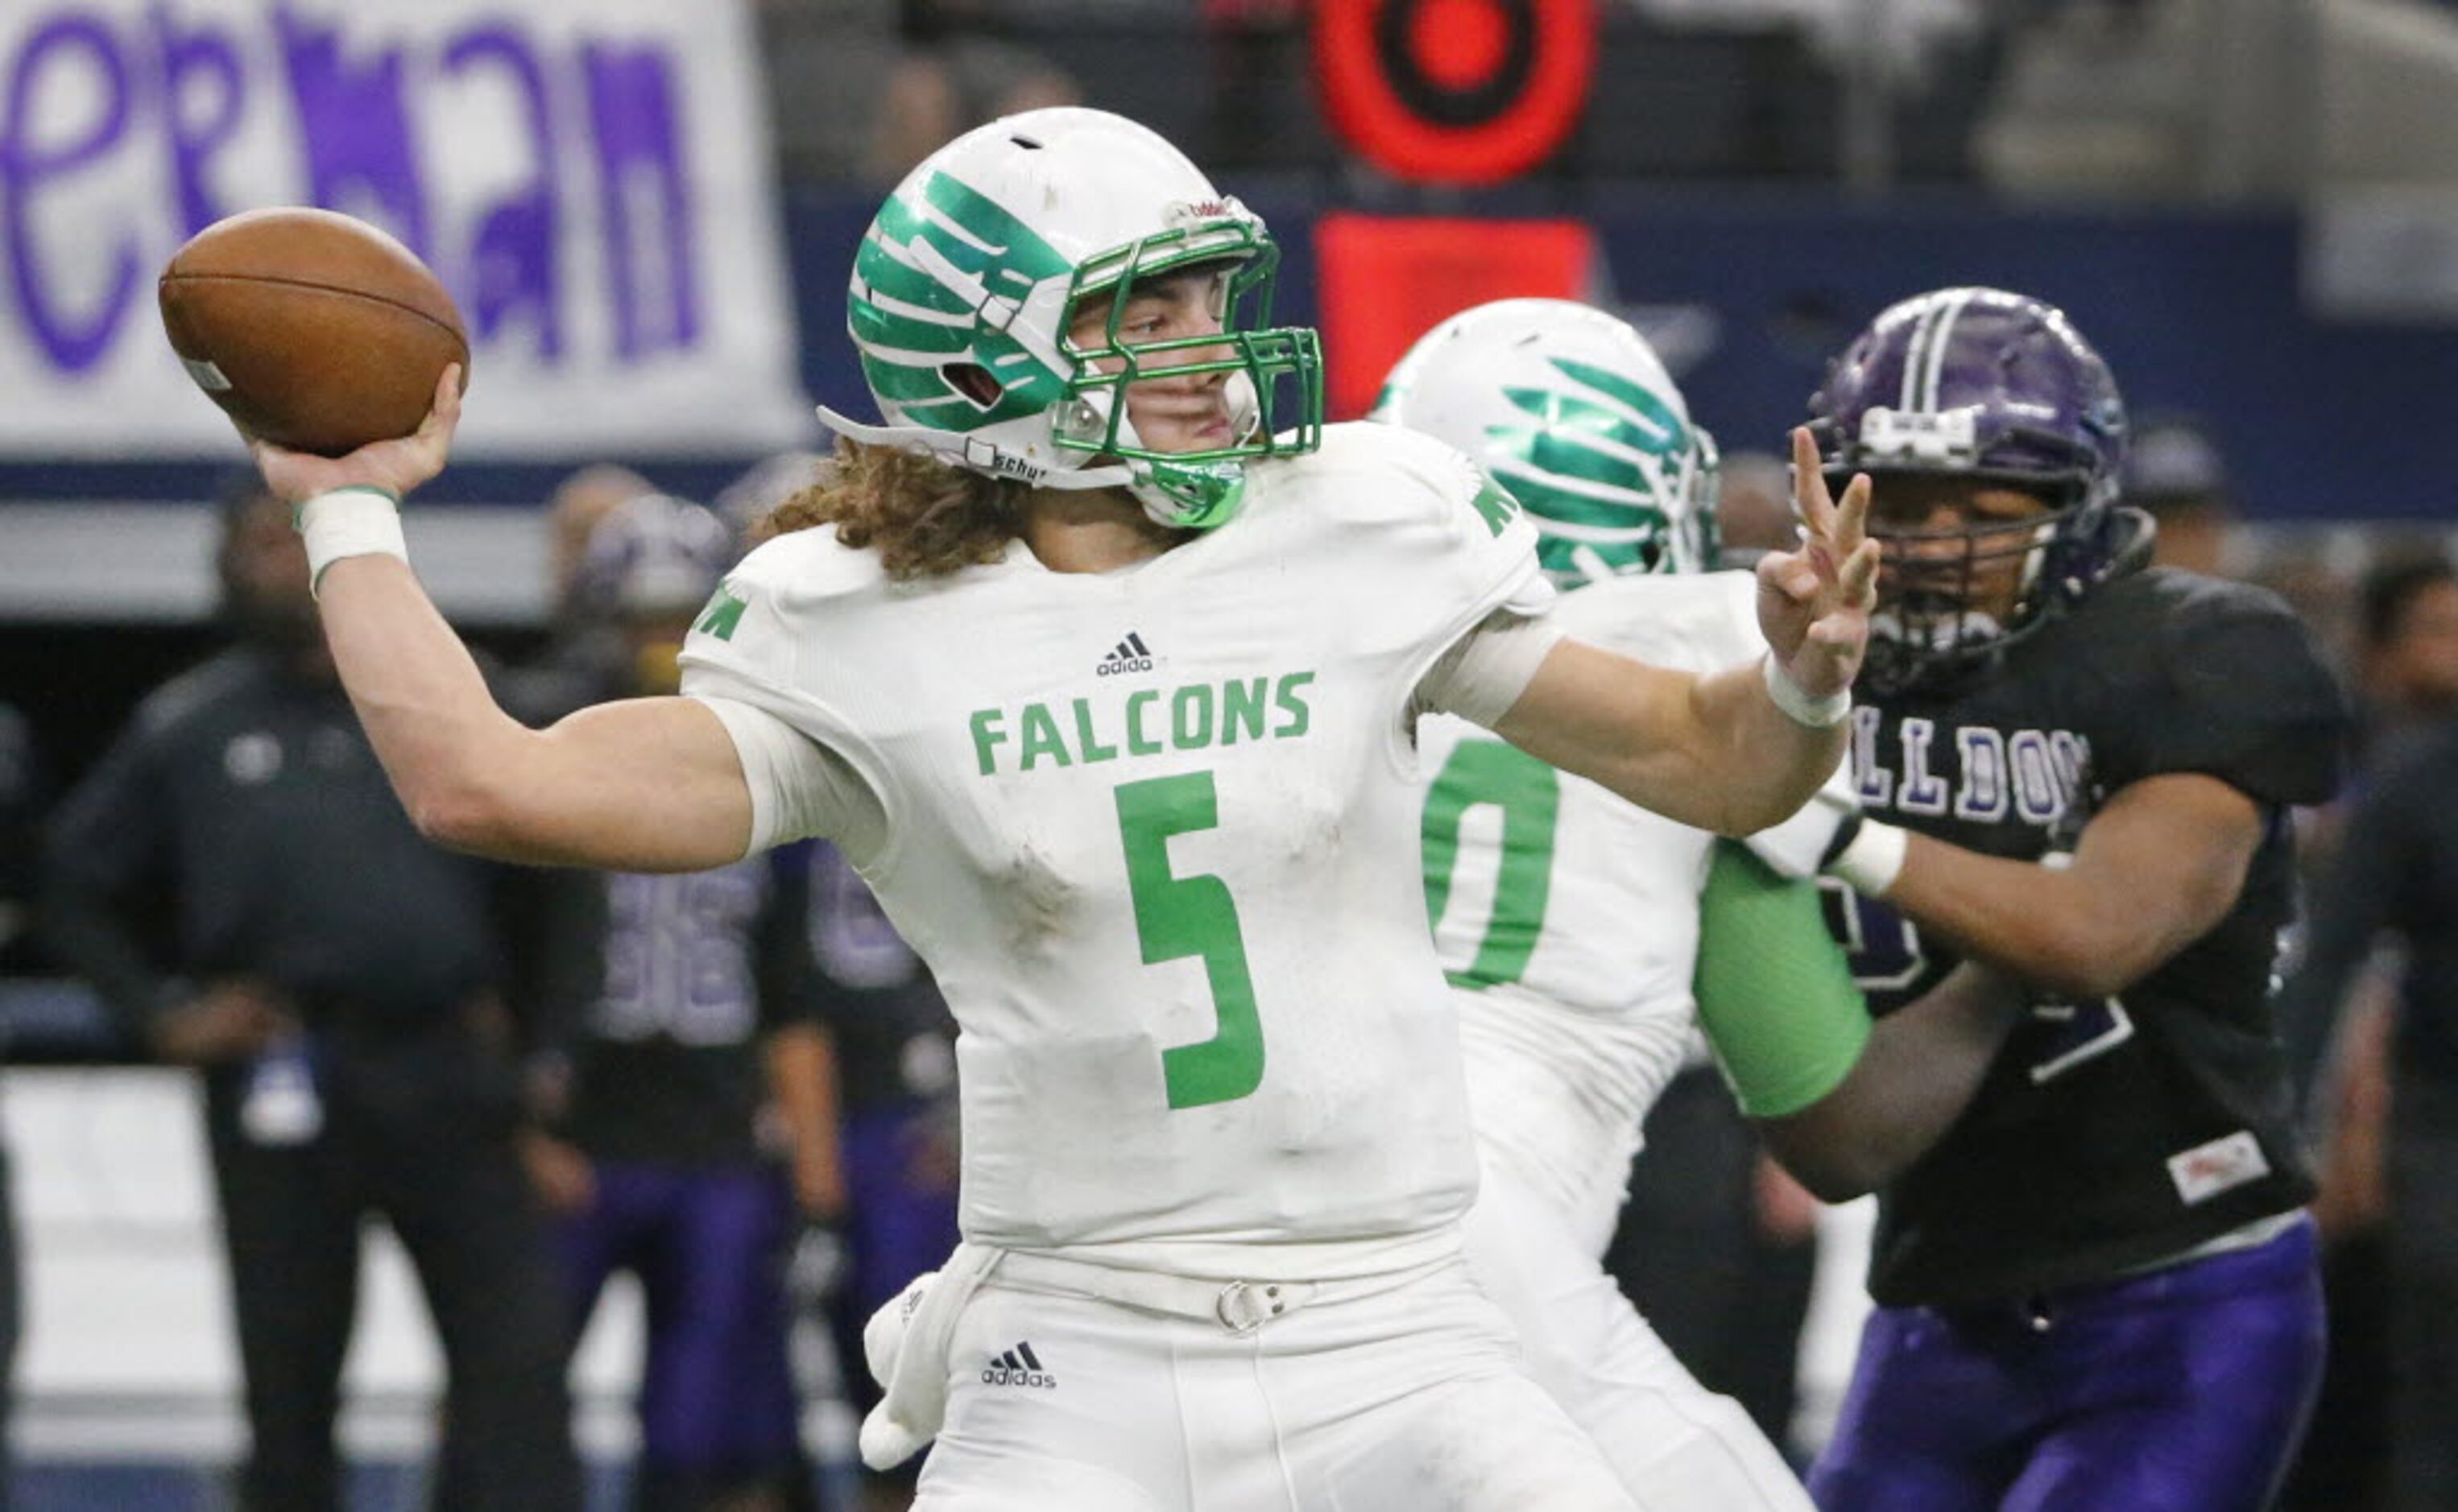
(2251, 206)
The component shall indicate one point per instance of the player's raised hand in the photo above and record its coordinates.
(396, 466)
(1814, 601)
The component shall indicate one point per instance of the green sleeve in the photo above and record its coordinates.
(1775, 994)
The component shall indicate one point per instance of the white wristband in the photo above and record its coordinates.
(1874, 858)
(356, 521)
(1798, 705)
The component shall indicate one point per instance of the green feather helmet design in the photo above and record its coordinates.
(971, 273)
(1571, 410)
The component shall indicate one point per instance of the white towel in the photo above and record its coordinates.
(905, 1345)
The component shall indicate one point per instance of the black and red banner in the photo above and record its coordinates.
(1455, 92)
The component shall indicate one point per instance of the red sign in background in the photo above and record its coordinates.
(1455, 92)
(1381, 282)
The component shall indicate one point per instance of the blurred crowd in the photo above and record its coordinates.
(736, 1085)
(862, 89)
(2134, 100)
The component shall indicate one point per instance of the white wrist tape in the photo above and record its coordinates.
(1874, 858)
(1799, 704)
(356, 521)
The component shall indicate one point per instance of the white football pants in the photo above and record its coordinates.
(1677, 1446)
(1376, 1396)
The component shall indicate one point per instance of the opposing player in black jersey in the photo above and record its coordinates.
(2099, 1290)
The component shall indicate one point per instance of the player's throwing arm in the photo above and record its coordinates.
(1743, 749)
(650, 784)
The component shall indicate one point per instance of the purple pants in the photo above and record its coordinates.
(2184, 1390)
(902, 1225)
(716, 1393)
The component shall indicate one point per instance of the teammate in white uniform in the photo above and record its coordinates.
(1570, 922)
(1101, 658)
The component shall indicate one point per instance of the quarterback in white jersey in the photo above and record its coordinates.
(1156, 806)
(1070, 654)
(1570, 922)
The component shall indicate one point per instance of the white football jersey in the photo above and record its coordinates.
(1155, 831)
(1567, 919)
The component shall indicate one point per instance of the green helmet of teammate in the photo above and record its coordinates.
(1571, 410)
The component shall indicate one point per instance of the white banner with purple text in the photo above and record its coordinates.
(590, 178)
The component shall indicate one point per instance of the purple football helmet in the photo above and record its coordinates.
(1997, 389)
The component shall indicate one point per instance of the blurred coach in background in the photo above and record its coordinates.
(238, 882)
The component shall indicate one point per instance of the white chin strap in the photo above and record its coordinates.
(976, 455)
(1246, 409)
(1591, 564)
(1237, 391)
(1134, 477)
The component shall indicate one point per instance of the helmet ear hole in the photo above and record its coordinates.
(975, 382)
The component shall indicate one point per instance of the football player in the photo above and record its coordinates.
(1574, 927)
(688, 1100)
(1100, 658)
(2099, 1289)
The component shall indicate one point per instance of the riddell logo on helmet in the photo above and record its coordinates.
(1943, 436)
(1187, 212)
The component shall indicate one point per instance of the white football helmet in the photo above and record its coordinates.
(1571, 410)
(971, 273)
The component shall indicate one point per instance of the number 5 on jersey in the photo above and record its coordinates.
(1176, 917)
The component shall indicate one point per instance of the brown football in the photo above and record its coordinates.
(314, 330)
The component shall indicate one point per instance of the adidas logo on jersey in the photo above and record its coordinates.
(1018, 1367)
(1130, 654)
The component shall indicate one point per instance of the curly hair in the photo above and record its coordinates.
(924, 517)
